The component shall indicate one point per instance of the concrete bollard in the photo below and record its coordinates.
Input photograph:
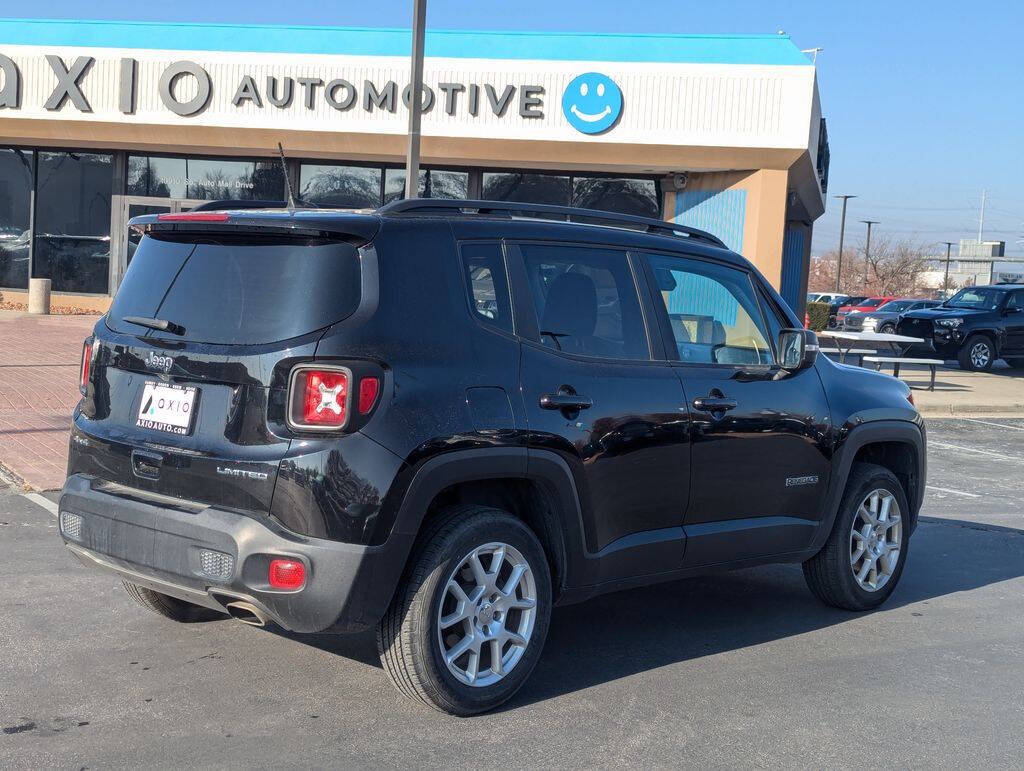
(39, 295)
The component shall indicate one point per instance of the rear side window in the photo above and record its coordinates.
(586, 300)
(234, 289)
(487, 284)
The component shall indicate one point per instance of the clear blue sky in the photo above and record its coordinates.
(924, 100)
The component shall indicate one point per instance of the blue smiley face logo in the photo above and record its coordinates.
(592, 103)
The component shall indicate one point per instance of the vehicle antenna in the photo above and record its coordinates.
(287, 181)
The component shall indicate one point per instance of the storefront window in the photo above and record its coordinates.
(205, 179)
(622, 195)
(526, 188)
(15, 193)
(348, 187)
(72, 233)
(434, 183)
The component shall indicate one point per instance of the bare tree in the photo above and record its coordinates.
(895, 267)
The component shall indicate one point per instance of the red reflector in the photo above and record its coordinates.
(910, 398)
(287, 574)
(83, 374)
(368, 388)
(325, 397)
(194, 216)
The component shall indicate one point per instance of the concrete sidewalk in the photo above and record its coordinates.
(39, 359)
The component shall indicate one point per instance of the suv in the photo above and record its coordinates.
(976, 326)
(442, 418)
(885, 317)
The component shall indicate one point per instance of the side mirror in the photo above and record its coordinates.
(798, 349)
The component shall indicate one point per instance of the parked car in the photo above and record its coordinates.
(827, 297)
(846, 301)
(439, 421)
(860, 305)
(975, 326)
(884, 317)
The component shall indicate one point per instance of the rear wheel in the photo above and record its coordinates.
(468, 621)
(170, 607)
(977, 354)
(863, 558)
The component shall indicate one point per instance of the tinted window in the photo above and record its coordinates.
(205, 178)
(349, 187)
(72, 232)
(1016, 300)
(586, 301)
(713, 312)
(898, 306)
(15, 191)
(434, 183)
(979, 299)
(487, 284)
(242, 290)
(526, 188)
(622, 194)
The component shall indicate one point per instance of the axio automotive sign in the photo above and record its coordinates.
(592, 102)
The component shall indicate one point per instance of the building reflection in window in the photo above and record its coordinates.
(15, 197)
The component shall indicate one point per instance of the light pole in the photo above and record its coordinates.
(945, 280)
(412, 158)
(842, 232)
(867, 251)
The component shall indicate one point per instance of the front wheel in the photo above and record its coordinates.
(888, 329)
(467, 624)
(863, 558)
(977, 354)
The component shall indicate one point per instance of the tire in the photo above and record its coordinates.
(972, 355)
(409, 637)
(170, 607)
(831, 573)
(887, 329)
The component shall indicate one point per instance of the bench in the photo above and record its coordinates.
(860, 353)
(896, 361)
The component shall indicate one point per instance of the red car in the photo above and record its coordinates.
(865, 306)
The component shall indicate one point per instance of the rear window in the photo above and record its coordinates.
(240, 290)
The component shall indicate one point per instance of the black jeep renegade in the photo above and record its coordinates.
(440, 419)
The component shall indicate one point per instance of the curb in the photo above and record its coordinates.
(974, 410)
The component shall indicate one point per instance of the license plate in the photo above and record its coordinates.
(166, 407)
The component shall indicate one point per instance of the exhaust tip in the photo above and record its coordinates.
(247, 613)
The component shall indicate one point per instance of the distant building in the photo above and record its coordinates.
(970, 248)
(979, 262)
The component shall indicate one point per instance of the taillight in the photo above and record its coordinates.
(84, 367)
(194, 216)
(319, 398)
(286, 574)
(368, 390)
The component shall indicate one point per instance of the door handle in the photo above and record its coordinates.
(713, 404)
(563, 401)
(146, 464)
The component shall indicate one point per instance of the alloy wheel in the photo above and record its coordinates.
(487, 614)
(876, 539)
(980, 355)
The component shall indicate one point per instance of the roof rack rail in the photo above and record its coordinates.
(508, 208)
(234, 203)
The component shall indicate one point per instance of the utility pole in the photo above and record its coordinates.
(412, 159)
(867, 251)
(945, 280)
(981, 219)
(842, 232)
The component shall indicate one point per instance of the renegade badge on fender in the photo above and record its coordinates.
(442, 419)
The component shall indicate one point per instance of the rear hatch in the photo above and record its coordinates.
(196, 410)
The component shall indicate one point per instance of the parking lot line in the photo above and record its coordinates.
(989, 453)
(954, 492)
(990, 423)
(39, 500)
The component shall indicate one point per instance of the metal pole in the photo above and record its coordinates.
(981, 219)
(867, 251)
(945, 281)
(412, 161)
(842, 232)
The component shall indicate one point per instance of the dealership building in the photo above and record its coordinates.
(102, 121)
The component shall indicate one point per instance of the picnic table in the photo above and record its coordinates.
(845, 341)
(900, 344)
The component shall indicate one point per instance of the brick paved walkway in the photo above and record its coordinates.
(39, 357)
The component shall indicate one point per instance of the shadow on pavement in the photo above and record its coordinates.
(628, 632)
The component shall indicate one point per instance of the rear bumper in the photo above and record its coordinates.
(159, 543)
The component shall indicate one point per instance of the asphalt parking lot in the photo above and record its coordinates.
(745, 669)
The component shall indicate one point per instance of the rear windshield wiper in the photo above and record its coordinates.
(162, 325)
